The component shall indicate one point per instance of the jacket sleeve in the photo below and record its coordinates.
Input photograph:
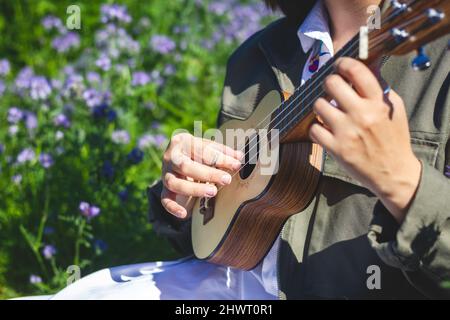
(422, 243)
(176, 230)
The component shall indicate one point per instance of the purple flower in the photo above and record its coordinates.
(149, 140)
(65, 42)
(49, 230)
(114, 12)
(155, 125)
(12, 130)
(123, 195)
(100, 245)
(135, 156)
(155, 77)
(162, 44)
(69, 70)
(149, 105)
(2, 87)
(59, 135)
(15, 115)
(104, 111)
(74, 82)
(92, 97)
(23, 79)
(46, 160)
(169, 69)
(120, 137)
(180, 29)
(93, 77)
(31, 121)
(34, 279)
(108, 169)
(145, 141)
(218, 8)
(48, 251)
(2, 148)
(103, 63)
(140, 78)
(26, 155)
(160, 140)
(4, 67)
(89, 211)
(61, 120)
(52, 22)
(17, 179)
(39, 88)
(56, 84)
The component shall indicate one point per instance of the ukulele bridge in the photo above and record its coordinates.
(207, 209)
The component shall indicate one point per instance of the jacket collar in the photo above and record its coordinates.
(284, 53)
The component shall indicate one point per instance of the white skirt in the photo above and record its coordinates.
(184, 279)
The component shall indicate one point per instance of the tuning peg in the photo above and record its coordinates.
(435, 16)
(421, 62)
(399, 5)
(399, 35)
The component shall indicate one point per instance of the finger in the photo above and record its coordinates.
(202, 151)
(200, 172)
(237, 154)
(331, 116)
(360, 76)
(168, 201)
(188, 188)
(206, 154)
(339, 90)
(322, 136)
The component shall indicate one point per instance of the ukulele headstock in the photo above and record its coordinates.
(407, 26)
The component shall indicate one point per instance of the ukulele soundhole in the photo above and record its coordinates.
(207, 209)
(251, 156)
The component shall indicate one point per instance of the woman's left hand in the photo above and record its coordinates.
(368, 135)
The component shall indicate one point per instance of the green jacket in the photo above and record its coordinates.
(331, 249)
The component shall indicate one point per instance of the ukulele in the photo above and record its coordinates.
(240, 224)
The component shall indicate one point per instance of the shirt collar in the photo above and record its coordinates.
(316, 27)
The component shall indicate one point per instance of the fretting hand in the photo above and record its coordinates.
(368, 135)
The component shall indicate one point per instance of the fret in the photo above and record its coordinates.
(293, 110)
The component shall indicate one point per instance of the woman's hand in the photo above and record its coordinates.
(189, 163)
(368, 135)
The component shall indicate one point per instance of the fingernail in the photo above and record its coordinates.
(236, 165)
(226, 179)
(240, 154)
(211, 192)
(179, 214)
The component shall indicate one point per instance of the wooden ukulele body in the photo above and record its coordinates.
(247, 215)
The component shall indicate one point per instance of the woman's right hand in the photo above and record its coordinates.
(192, 167)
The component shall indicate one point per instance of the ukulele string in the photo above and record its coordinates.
(345, 52)
(290, 112)
(312, 83)
(299, 114)
(309, 84)
(375, 42)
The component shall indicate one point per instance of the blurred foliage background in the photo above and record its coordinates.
(85, 115)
